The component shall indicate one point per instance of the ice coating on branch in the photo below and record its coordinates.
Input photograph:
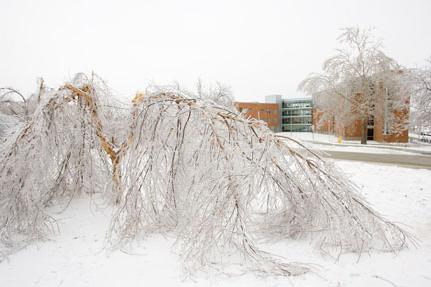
(214, 178)
(55, 155)
(187, 166)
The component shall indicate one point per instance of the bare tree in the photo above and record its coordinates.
(217, 180)
(191, 167)
(62, 151)
(17, 109)
(349, 83)
(219, 93)
(419, 85)
(13, 102)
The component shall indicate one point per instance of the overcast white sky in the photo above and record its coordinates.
(256, 47)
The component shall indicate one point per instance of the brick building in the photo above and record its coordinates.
(281, 115)
(301, 115)
(387, 124)
(267, 112)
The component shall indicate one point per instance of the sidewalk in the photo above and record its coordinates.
(324, 141)
(407, 160)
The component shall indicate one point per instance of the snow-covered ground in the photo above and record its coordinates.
(77, 256)
(331, 142)
(360, 149)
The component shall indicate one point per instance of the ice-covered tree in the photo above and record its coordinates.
(418, 82)
(13, 102)
(61, 151)
(349, 84)
(181, 165)
(217, 180)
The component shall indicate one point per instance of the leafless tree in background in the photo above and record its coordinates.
(348, 85)
(419, 85)
(13, 102)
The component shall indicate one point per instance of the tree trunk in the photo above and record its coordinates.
(364, 130)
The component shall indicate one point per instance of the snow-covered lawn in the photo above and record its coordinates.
(77, 255)
(360, 149)
(330, 142)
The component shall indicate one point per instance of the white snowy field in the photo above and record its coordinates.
(76, 256)
(330, 142)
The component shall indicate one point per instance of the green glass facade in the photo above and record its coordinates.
(296, 115)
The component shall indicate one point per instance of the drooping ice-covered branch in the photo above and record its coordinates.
(216, 179)
(191, 167)
(60, 152)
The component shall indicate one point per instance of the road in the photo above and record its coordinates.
(413, 161)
